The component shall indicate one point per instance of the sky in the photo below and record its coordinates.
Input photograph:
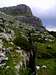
(44, 9)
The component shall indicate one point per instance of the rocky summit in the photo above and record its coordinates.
(17, 10)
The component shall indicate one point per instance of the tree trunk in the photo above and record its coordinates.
(32, 52)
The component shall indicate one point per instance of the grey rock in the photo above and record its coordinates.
(17, 10)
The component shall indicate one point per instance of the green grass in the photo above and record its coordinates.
(51, 66)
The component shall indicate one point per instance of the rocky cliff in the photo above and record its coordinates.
(17, 10)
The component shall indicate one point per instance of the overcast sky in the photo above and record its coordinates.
(45, 9)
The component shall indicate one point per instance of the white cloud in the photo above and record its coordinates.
(51, 28)
(4, 3)
(42, 4)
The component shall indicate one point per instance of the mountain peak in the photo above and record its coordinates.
(18, 10)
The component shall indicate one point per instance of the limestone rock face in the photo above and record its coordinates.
(17, 10)
(30, 19)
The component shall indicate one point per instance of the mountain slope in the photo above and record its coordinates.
(14, 38)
